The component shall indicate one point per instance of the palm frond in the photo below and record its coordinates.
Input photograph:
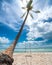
(36, 11)
(31, 15)
(26, 1)
(23, 15)
(21, 0)
(23, 7)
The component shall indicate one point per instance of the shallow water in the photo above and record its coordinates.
(31, 50)
(34, 50)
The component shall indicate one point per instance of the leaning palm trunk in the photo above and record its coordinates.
(10, 50)
(8, 53)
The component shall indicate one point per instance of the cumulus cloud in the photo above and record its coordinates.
(4, 40)
(41, 28)
(33, 44)
(45, 13)
(27, 44)
(9, 14)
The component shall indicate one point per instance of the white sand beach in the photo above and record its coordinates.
(36, 58)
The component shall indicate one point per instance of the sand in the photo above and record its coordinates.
(36, 58)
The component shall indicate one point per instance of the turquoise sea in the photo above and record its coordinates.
(31, 50)
(34, 50)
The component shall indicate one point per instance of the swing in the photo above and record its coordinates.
(29, 55)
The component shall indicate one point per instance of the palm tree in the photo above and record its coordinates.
(10, 50)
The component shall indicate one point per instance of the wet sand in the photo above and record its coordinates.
(36, 58)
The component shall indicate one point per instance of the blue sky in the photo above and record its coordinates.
(37, 31)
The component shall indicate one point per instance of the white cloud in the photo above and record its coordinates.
(33, 44)
(45, 13)
(4, 40)
(27, 44)
(9, 15)
(38, 27)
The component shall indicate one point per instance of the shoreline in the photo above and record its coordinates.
(32, 53)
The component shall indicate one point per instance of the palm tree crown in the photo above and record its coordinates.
(29, 7)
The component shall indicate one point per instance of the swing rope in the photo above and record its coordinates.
(30, 55)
